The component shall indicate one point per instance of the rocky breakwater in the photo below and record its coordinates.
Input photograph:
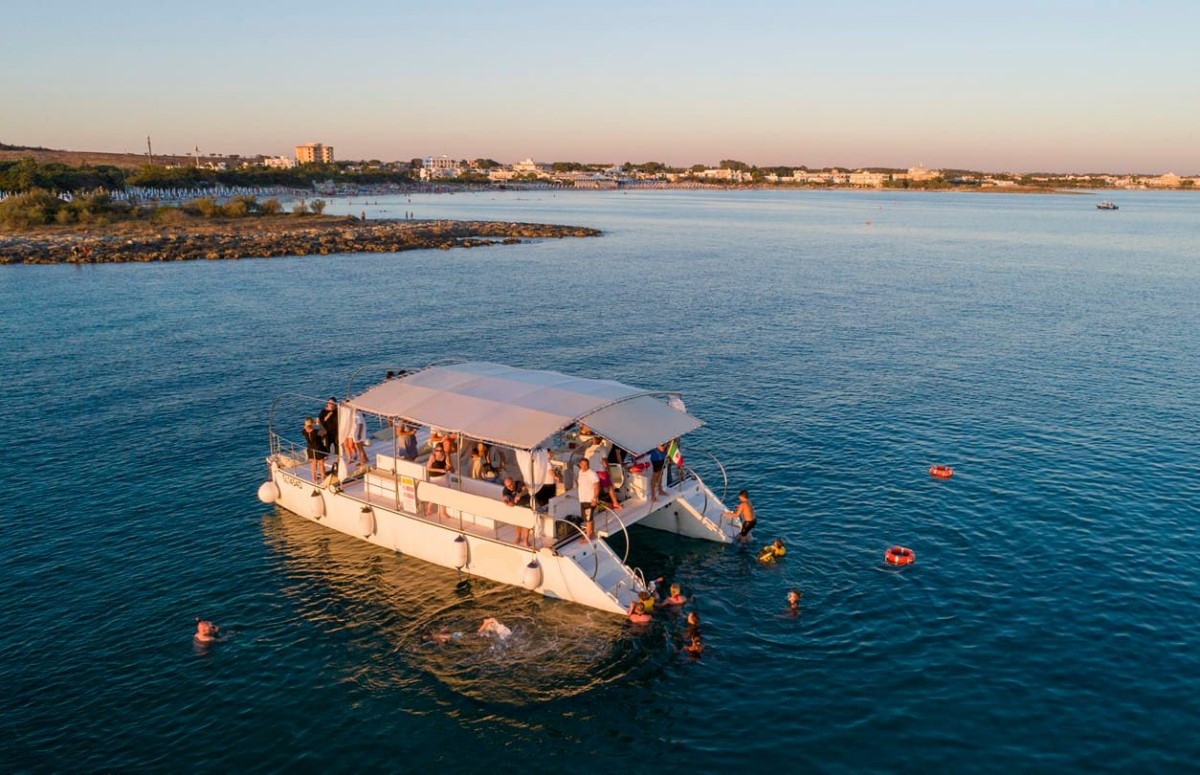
(261, 238)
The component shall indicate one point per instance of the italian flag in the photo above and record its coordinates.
(673, 453)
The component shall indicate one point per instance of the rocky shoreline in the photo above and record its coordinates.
(262, 237)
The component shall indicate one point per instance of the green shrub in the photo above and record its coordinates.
(168, 215)
(204, 207)
(317, 206)
(33, 208)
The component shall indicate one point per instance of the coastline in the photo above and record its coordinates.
(262, 237)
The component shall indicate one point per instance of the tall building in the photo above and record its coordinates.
(314, 152)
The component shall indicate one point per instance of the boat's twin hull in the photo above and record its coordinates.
(556, 576)
(589, 573)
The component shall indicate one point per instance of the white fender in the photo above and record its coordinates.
(533, 575)
(366, 522)
(316, 505)
(461, 551)
(268, 492)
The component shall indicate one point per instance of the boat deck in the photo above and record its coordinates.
(608, 522)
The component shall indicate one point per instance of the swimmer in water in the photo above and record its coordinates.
(695, 648)
(206, 631)
(637, 614)
(443, 636)
(693, 626)
(491, 626)
(647, 601)
(772, 552)
(793, 599)
(675, 598)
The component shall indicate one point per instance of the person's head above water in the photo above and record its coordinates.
(206, 630)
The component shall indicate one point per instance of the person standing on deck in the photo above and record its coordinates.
(587, 485)
(658, 460)
(315, 449)
(329, 421)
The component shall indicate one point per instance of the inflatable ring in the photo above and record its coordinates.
(899, 555)
(941, 472)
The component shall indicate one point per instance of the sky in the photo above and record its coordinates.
(1014, 86)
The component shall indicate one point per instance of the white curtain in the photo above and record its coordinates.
(534, 467)
(541, 469)
(525, 464)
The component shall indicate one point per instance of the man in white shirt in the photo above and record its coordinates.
(588, 487)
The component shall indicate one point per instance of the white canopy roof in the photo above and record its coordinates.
(521, 408)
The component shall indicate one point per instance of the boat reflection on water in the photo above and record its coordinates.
(378, 609)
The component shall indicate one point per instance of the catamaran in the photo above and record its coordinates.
(536, 426)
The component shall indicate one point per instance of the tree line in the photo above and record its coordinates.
(28, 174)
(39, 207)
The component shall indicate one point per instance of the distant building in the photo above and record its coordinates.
(279, 162)
(1170, 180)
(433, 167)
(919, 173)
(531, 167)
(866, 179)
(314, 152)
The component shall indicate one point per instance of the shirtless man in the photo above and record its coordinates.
(745, 512)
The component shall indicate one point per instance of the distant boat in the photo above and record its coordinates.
(1106, 205)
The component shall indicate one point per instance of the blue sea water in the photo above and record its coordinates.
(837, 344)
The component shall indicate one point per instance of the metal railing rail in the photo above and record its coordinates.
(613, 514)
(595, 554)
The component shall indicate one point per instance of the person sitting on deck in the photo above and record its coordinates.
(772, 552)
(516, 493)
(606, 485)
(485, 462)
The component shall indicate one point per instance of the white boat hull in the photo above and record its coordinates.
(585, 572)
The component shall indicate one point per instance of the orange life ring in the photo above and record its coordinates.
(941, 472)
(899, 555)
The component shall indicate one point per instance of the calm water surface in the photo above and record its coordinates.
(837, 344)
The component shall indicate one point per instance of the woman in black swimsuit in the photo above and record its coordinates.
(439, 465)
(314, 440)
